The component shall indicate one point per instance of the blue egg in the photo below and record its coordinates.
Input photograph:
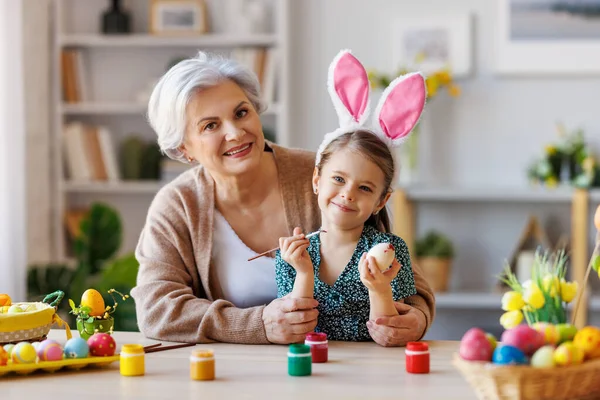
(76, 348)
(506, 355)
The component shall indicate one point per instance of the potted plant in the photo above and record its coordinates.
(93, 315)
(435, 253)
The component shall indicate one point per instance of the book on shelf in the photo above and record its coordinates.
(73, 218)
(89, 153)
(263, 61)
(74, 77)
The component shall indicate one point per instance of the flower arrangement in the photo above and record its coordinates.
(544, 297)
(569, 161)
(93, 315)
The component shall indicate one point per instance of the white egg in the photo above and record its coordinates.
(384, 255)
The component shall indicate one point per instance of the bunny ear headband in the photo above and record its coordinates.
(397, 113)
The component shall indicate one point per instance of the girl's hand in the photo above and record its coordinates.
(372, 277)
(293, 251)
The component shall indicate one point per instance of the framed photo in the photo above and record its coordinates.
(548, 37)
(178, 17)
(432, 43)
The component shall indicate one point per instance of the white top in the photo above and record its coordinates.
(244, 283)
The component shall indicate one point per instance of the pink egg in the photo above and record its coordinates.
(49, 350)
(525, 338)
(475, 346)
(102, 345)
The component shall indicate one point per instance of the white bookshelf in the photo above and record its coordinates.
(489, 194)
(121, 66)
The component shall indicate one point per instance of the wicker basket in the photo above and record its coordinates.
(495, 382)
(32, 325)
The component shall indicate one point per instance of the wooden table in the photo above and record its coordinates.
(355, 370)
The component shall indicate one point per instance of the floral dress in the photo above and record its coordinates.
(344, 307)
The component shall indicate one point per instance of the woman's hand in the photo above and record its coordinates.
(372, 277)
(398, 330)
(293, 251)
(288, 320)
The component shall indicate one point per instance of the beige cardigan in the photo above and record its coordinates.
(178, 296)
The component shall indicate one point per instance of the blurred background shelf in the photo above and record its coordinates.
(147, 40)
(468, 300)
(123, 108)
(490, 194)
(123, 187)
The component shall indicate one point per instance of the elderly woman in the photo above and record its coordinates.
(195, 283)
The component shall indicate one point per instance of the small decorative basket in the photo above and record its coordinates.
(501, 382)
(33, 324)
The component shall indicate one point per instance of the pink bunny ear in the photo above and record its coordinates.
(349, 89)
(401, 105)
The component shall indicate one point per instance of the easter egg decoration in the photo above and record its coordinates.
(102, 345)
(5, 300)
(588, 340)
(523, 337)
(49, 350)
(92, 299)
(568, 354)
(383, 253)
(509, 355)
(597, 219)
(475, 346)
(15, 309)
(566, 332)
(8, 348)
(23, 353)
(492, 339)
(76, 348)
(3, 357)
(93, 315)
(543, 357)
(550, 332)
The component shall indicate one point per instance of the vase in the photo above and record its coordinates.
(87, 329)
(115, 20)
(408, 158)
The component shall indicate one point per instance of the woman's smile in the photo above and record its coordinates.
(239, 151)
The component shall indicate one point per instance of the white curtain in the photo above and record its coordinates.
(12, 153)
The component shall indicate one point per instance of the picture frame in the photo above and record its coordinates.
(547, 38)
(432, 43)
(178, 17)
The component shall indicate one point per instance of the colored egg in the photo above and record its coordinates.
(550, 332)
(35, 345)
(523, 337)
(76, 348)
(9, 348)
(588, 340)
(23, 353)
(566, 332)
(93, 299)
(384, 255)
(475, 346)
(509, 355)
(568, 354)
(544, 357)
(49, 350)
(3, 356)
(102, 345)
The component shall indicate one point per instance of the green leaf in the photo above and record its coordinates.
(596, 263)
(72, 304)
(90, 320)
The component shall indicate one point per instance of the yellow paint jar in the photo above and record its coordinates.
(132, 360)
(202, 365)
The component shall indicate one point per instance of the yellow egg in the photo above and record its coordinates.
(597, 219)
(588, 340)
(568, 354)
(93, 299)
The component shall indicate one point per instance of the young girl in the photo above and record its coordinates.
(352, 179)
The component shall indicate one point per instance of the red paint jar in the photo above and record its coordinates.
(318, 346)
(417, 358)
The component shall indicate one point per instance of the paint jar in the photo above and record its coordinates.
(319, 347)
(417, 358)
(299, 360)
(202, 365)
(132, 360)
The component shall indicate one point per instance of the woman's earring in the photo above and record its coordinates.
(316, 191)
(190, 159)
(375, 212)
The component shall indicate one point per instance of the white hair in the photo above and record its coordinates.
(172, 93)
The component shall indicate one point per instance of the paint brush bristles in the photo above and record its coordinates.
(277, 248)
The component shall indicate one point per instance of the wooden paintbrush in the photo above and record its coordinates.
(277, 248)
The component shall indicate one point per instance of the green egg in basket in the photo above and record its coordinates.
(30, 321)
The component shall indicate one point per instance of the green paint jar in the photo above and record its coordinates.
(299, 360)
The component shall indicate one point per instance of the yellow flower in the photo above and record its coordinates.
(512, 301)
(420, 57)
(432, 87)
(444, 77)
(568, 290)
(551, 284)
(550, 150)
(454, 90)
(534, 297)
(510, 319)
